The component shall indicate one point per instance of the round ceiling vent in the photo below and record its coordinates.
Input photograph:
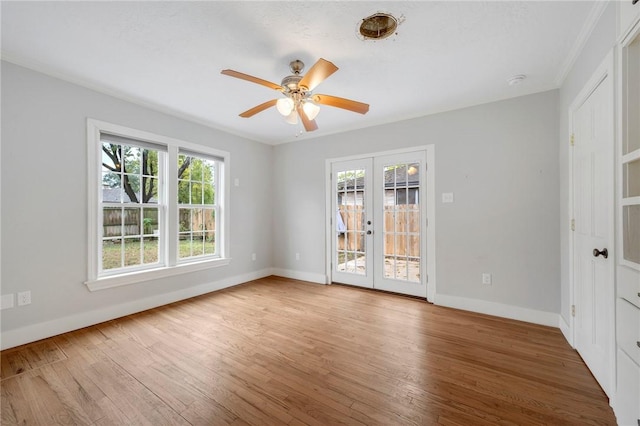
(378, 26)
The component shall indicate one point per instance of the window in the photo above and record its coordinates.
(197, 206)
(131, 204)
(156, 206)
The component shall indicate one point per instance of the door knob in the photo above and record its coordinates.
(604, 252)
(369, 232)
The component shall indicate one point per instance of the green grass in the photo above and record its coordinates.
(111, 252)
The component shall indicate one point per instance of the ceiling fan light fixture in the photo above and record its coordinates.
(284, 106)
(292, 117)
(311, 110)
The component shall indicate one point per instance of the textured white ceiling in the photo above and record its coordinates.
(168, 55)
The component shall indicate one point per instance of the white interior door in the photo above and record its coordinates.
(378, 227)
(593, 203)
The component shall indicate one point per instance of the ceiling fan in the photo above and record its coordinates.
(298, 100)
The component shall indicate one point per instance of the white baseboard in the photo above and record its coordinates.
(33, 332)
(300, 275)
(566, 330)
(498, 309)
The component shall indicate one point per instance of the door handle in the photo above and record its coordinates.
(369, 232)
(604, 252)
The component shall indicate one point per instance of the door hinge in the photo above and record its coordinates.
(572, 139)
(427, 278)
(573, 224)
(573, 310)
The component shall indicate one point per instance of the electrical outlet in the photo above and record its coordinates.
(253, 256)
(486, 279)
(24, 298)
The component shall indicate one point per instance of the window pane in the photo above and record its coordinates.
(210, 219)
(131, 221)
(197, 244)
(633, 99)
(196, 169)
(196, 193)
(631, 233)
(183, 166)
(184, 247)
(110, 155)
(132, 252)
(183, 192)
(111, 254)
(197, 220)
(209, 194)
(111, 222)
(413, 218)
(131, 186)
(110, 179)
(150, 221)
(389, 267)
(209, 173)
(184, 220)
(111, 188)
(631, 177)
(131, 159)
(414, 246)
(150, 162)
(401, 220)
(150, 249)
(210, 242)
(150, 186)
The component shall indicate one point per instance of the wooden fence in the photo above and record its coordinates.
(200, 221)
(404, 242)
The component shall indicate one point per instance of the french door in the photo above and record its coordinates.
(378, 222)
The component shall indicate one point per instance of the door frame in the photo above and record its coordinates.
(605, 70)
(428, 221)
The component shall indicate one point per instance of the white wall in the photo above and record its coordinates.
(601, 41)
(501, 162)
(44, 204)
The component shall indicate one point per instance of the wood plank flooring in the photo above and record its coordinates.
(282, 352)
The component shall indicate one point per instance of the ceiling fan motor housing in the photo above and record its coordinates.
(290, 82)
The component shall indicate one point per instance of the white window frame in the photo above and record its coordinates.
(169, 231)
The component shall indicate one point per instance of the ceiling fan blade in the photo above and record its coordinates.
(309, 125)
(343, 103)
(247, 77)
(317, 74)
(256, 109)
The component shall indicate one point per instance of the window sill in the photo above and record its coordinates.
(140, 276)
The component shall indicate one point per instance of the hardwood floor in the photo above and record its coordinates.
(283, 352)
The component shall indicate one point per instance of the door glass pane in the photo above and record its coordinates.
(633, 100)
(350, 216)
(401, 224)
(631, 179)
(631, 233)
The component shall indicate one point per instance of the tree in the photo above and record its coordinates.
(196, 184)
(126, 163)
